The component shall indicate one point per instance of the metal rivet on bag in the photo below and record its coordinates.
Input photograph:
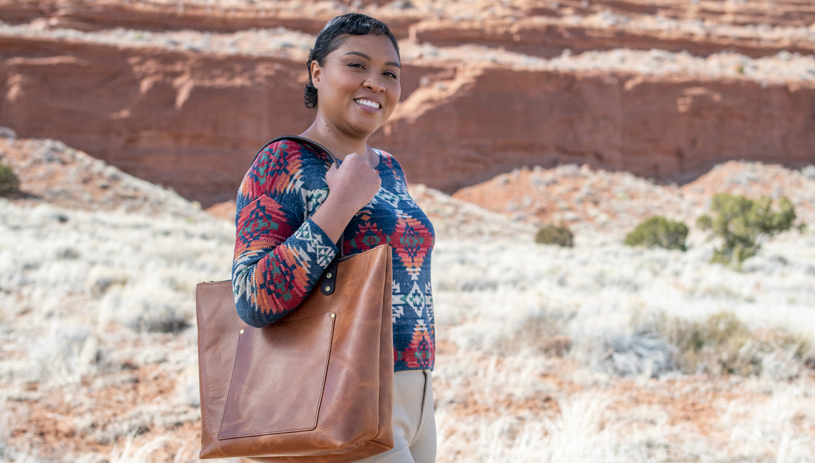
(328, 275)
(333, 315)
(328, 288)
(241, 332)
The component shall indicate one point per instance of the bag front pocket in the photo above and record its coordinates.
(266, 393)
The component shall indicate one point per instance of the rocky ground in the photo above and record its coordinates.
(57, 174)
(616, 202)
(544, 353)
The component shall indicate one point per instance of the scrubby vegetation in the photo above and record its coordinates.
(555, 234)
(740, 221)
(659, 232)
(532, 343)
(9, 183)
(722, 344)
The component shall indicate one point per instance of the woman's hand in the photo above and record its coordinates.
(354, 184)
(351, 187)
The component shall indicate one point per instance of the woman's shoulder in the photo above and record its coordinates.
(384, 154)
(292, 154)
(283, 167)
(388, 160)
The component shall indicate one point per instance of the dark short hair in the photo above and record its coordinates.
(332, 36)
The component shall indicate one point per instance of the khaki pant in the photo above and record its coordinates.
(414, 425)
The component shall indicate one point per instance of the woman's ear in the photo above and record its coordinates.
(316, 73)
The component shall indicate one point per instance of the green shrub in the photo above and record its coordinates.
(660, 232)
(739, 221)
(555, 234)
(9, 183)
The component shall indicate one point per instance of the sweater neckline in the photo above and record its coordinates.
(379, 154)
(381, 159)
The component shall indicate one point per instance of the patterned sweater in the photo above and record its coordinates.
(280, 253)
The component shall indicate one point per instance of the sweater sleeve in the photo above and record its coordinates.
(280, 253)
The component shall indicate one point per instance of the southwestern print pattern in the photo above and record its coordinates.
(280, 253)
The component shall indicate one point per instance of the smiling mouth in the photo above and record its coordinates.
(367, 103)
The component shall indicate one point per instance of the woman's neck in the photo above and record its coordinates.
(339, 144)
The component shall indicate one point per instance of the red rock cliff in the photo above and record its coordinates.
(192, 120)
(188, 121)
(669, 129)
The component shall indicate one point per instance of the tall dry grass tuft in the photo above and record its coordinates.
(722, 344)
(771, 425)
(143, 454)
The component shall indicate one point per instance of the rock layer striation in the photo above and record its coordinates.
(190, 114)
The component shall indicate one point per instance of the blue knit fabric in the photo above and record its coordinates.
(280, 253)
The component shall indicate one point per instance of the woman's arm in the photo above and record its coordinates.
(279, 256)
(351, 187)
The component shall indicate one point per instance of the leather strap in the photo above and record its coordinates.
(329, 279)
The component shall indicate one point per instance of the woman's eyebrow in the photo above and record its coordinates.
(359, 53)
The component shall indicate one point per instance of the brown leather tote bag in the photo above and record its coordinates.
(315, 386)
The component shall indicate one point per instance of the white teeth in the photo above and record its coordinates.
(368, 103)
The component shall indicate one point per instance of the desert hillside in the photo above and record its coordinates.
(545, 354)
(183, 94)
(615, 202)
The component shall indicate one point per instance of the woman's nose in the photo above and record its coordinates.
(374, 84)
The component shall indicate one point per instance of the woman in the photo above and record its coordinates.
(293, 205)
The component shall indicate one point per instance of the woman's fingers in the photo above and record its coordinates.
(332, 171)
(355, 182)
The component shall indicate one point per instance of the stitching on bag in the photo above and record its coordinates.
(325, 368)
(231, 377)
(319, 402)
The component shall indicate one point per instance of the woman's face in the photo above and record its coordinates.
(358, 85)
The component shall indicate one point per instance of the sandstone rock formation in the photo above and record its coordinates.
(188, 121)
(668, 129)
(786, 12)
(185, 120)
(548, 37)
(189, 109)
(204, 16)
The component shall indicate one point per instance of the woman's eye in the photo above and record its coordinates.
(390, 74)
(356, 65)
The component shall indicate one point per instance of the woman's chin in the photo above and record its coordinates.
(365, 128)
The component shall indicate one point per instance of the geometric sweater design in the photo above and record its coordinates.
(280, 253)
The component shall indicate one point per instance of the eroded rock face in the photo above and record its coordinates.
(189, 121)
(548, 38)
(672, 130)
(186, 121)
(191, 115)
(786, 12)
(193, 121)
(163, 15)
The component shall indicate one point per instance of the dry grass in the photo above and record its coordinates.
(594, 353)
(98, 291)
(632, 316)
